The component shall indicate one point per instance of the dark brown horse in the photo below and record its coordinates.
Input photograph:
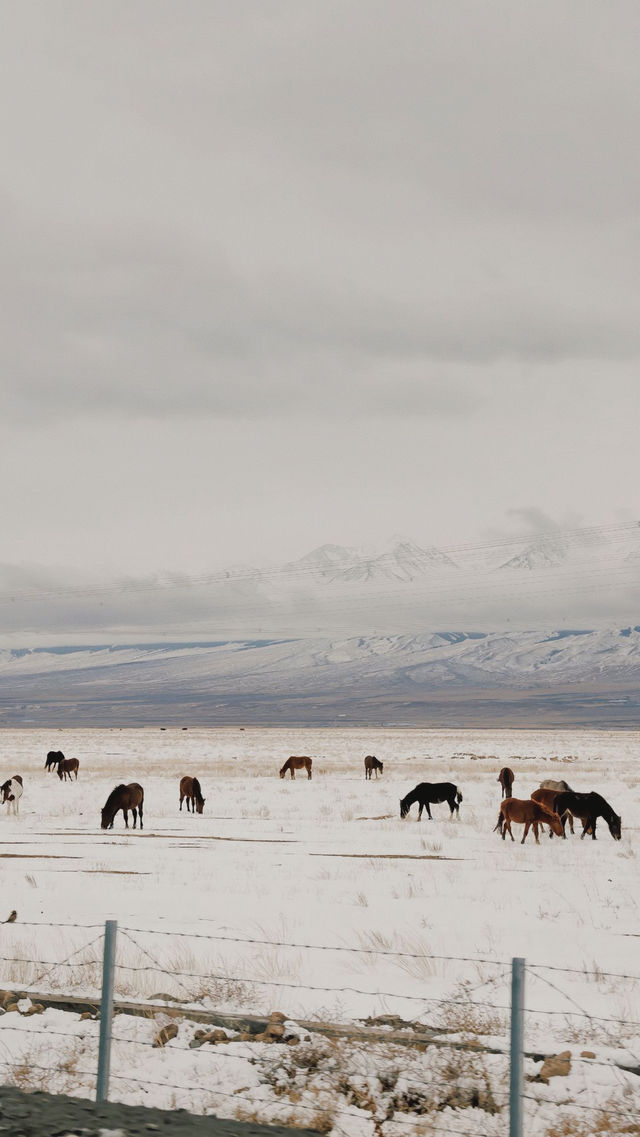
(371, 763)
(589, 807)
(67, 767)
(190, 789)
(432, 793)
(505, 777)
(53, 757)
(528, 813)
(126, 798)
(296, 763)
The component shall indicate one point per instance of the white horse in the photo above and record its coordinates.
(11, 791)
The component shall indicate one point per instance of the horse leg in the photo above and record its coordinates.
(309, 774)
(535, 832)
(420, 808)
(135, 816)
(126, 818)
(140, 813)
(527, 826)
(181, 800)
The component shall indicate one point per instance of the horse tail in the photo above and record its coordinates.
(499, 822)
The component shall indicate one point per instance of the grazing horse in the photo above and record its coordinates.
(11, 791)
(548, 797)
(190, 789)
(372, 763)
(293, 764)
(505, 777)
(52, 759)
(67, 767)
(588, 807)
(551, 784)
(430, 793)
(527, 813)
(126, 798)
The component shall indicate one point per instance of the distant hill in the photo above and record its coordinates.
(561, 677)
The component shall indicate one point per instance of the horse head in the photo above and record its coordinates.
(200, 804)
(404, 808)
(555, 825)
(615, 827)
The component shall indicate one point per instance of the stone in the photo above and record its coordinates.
(164, 1036)
(555, 1066)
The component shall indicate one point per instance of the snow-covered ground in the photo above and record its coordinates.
(229, 910)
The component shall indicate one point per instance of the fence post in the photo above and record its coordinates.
(517, 1046)
(106, 1009)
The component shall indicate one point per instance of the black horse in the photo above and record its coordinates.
(588, 807)
(432, 793)
(53, 757)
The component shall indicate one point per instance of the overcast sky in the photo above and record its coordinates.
(281, 273)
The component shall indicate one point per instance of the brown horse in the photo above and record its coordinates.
(505, 777)
(190, 789)
(67, 767)
(126, 798)
(527, 813)
(548, 798)
(372, 763)
(292, 764)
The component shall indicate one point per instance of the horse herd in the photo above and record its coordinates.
(553, 804)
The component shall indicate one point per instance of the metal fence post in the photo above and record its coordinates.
(106, 1009)
(517, 1045)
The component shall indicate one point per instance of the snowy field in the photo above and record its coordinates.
(426, 916)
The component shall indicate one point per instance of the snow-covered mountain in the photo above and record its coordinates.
(576, 676)
(402, 561)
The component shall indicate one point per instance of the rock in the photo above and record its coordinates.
(35, 1009)
(292, 1040)
(587, 1054)
(213, 1036)
(555, 1066)
(277, 1017)
(164, 1036)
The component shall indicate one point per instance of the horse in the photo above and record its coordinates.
(527, 813)
(505, 777)
(126, 798)
(11, 791)
(551, 784)
(67, 767)
(52, 759)
(190, 789)
(293, 764)
(548, 797)
(430, 793)
(588, 807)
(372, 763)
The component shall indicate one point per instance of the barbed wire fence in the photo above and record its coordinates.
(484, 1049)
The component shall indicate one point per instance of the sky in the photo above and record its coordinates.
(282, 273)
